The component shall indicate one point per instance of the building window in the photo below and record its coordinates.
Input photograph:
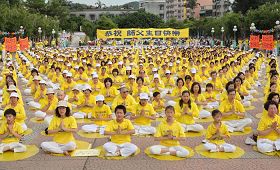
(92, 17)
(161, 16)
(161, 7)
(82, 15)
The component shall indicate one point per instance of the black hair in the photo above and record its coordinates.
(140, 78)
(230, 90)
(238, 78)
(115, 70)
(156, 93)
(209, 85)
(121, 107)
(188, 77)
(230, 83)
(10, 112)
(271, 95)
(181, 102)
(195, 83)
(67, 114)
(268, 103)
(108, 79)
(170, 107)
(215, 112)
(177, 81)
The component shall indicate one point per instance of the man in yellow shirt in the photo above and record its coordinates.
(120, 131)
(101, 115)
(234, 113)
(143, 115)
(269, 129)
(169, 133)
(11, 133)
(124, 99)
(63, 125)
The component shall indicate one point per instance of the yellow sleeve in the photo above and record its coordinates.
(129, 125)
(52, 124)
(2, 128)
(110, 128)
(158, 131)
(194, 109)
(240, 107)
(209, 132)
(73, 123)
(262, 125)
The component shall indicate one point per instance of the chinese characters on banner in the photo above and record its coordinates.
(254, 41)
(267, 42)
(11, 44)
(143, 33)
(24, 44)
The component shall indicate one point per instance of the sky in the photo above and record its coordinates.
(106, 2)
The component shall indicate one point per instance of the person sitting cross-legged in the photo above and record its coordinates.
(120, 131)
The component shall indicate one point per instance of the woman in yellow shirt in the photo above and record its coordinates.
(185, 112)
(101, 115)
(62, 126)
(117, 80)
(141, 88)
(169, 133)
(86, 104)
(216, 134)
(176, 92)
(143, 115)
(199, 99)
(158, 104)
(120, 130)
(211, 97)
(268, 129)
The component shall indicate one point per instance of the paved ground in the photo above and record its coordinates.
(250, 160)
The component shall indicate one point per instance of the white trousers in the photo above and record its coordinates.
(43, 115)
(27, 91)
(246, 103)
(237, 125)
(144, 130)
(266, 145)
(24, 80)
(1, 92)
(24, 127)
(126, 149)
(214, 148)
(81, 115)
(204, 114)
(15, 146)
(93, 128)
(180, 151)
(193, 128)
(212, 105)
(54, 147)
(35, 104)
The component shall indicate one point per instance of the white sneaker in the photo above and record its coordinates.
(250, 141)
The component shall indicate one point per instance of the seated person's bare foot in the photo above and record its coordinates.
(66, 153)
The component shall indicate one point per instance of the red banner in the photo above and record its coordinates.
(254, 41)
(24, 44)
(267, 42)
(11, 44)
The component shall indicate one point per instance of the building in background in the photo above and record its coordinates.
(95, 14)
(176, 9)
(204, 8)
(220, 7)
(157, 7)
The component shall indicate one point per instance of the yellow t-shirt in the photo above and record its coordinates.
(63, 137)
(97, 86)
(104, 112)
(156, 104)
(183, 118)
(226, 106)
(129, 103)
(211, 130)
(91, 100)
(164, 127)
(10, 138)
(266, 123)
(112, 91)
(149, 110)
(20, 116)
(124, 125)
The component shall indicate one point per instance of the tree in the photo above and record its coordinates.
(104, 23)
(244, 5)
(173, 23)
(36, 6)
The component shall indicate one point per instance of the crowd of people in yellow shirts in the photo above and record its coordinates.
(123, 91)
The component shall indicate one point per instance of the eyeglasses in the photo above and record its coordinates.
(125, 91)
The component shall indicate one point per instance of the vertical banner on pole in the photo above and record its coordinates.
(267, 42)
(254, 41)
(11, 44)
(24, 44)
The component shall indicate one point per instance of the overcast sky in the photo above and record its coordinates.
(107, 2)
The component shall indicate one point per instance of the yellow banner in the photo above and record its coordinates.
(143, 33)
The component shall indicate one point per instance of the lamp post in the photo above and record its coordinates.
(40, 32)
(234, 41)
(277, 28)
(252, 28)
(212, 32)
(222, 42)
(21, 30)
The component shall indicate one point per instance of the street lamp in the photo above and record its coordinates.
(234, 30)
(53, 32)
(222, 42)
(212, 32)
(40, 32)
(21, 30)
